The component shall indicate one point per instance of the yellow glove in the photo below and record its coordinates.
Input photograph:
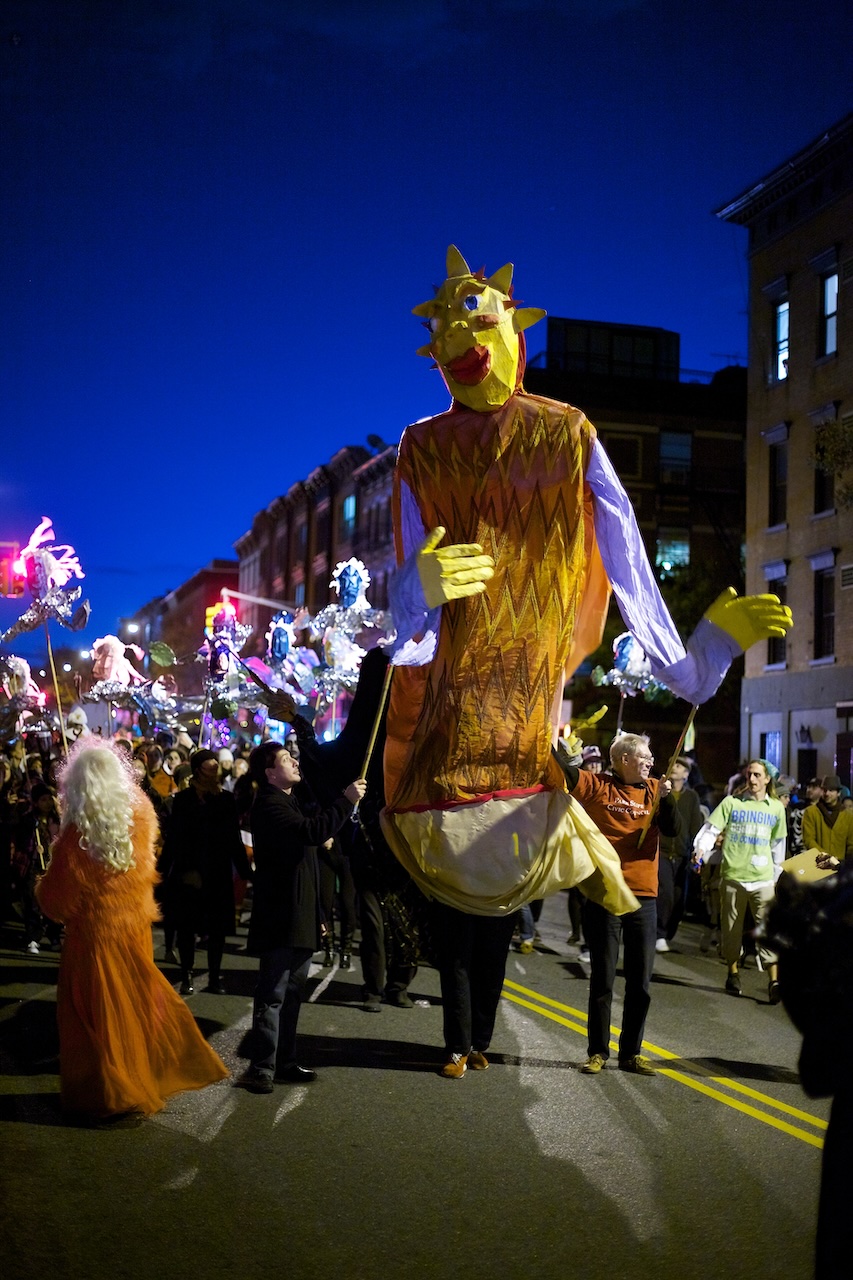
(452, 572)
(580, 726)
(748, 619)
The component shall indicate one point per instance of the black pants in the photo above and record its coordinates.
(335, 872)
(215, 950)
(603, 931)
(672, 894)
(380, 977)
(472, 952)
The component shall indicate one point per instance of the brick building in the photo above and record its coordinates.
(342, 509)
(797, 696)
(676, 439)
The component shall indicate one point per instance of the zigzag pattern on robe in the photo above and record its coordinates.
(477, 719)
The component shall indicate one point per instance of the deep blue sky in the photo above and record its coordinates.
(217, 216)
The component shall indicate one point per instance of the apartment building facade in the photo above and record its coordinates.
(797, 694)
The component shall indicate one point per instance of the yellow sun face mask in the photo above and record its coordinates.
(475, 325)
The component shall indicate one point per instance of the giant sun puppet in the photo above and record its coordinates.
(512, 528)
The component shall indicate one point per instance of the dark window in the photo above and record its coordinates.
(824, 613)
(624, 453)
(777, 645)
(824, 490)
(676, 453)
(778, 506)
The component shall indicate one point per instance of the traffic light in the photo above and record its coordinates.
(12, 577)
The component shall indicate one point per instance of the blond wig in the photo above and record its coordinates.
(97, 798)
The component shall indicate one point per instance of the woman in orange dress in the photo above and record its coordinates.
(126, 1039)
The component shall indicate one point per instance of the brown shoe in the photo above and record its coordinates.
(594, 1063)
(455, 1066)
(478, 1061)
(640, 1066)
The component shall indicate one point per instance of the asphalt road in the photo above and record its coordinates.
(381, 1169)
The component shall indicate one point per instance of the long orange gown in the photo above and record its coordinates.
(126, 1039)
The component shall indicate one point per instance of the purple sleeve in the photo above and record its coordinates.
(693, 673)
(408, 607)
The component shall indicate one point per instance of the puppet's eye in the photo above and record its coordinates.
(433, 324)
(472, 302)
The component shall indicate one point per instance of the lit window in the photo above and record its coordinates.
(829, 314)
(673, 551)
(348, 516)
(771, 747)
(782, 316)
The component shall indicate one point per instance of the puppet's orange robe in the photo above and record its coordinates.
(477, 808)
(126, 1039)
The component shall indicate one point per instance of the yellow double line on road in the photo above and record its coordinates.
(548, 1008)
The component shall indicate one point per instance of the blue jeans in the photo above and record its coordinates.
(278, 996)
(603, 931)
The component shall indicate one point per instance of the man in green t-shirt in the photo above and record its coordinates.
(753, 852)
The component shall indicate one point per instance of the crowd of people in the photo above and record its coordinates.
(207, 803)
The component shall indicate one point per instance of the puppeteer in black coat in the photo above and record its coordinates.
(286, 898)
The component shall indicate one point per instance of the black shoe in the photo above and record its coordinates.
(400, 1000)
(296, 1075)
(123, 1120)
(733, 984)
(346, 960)
(372, 1004)
(774, 993)
(256, 1082)
(186, 987)
(216, 987)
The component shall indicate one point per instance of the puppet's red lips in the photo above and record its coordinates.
(471, 367)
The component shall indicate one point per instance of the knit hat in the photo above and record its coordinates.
(198, 758)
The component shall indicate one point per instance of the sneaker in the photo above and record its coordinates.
(774, 992)
(595, 1062)
(478, 1061)
(733, 984)
(638, 1065)
(661, 945)
(526, 946)
(256, 1082)
(455, 1066)
(33, 948)
(583, 954)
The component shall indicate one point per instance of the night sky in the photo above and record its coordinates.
(217, 216)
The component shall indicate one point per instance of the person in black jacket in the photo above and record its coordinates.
(202, 850)
(284, 930)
